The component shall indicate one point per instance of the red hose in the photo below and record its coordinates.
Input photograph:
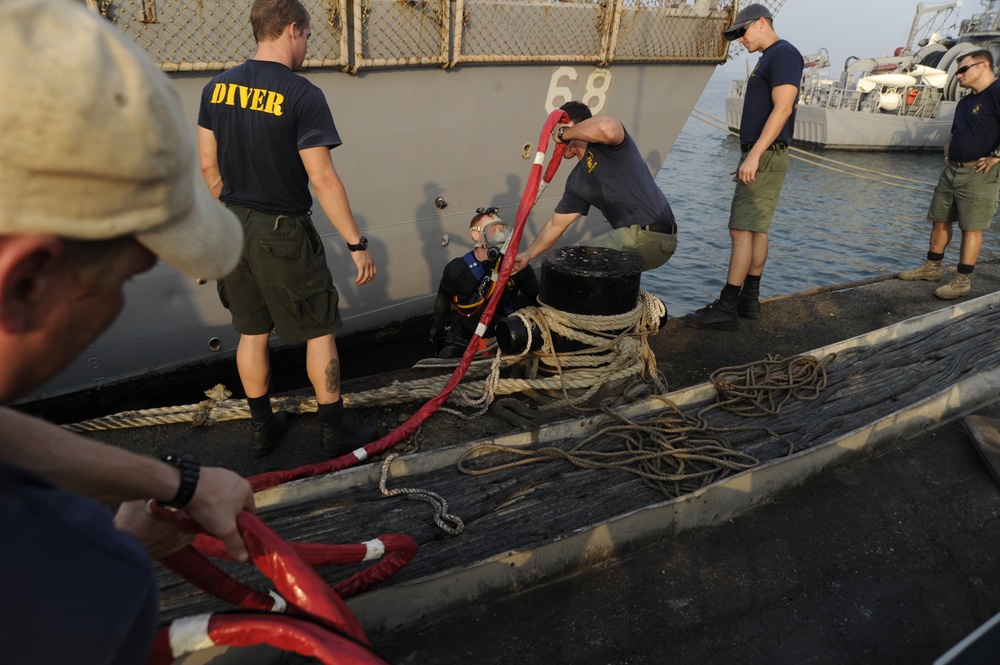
(184, 636)
(295, 580)
(399, 549)
(329, 631)
(404, 431)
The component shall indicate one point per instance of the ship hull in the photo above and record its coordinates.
(414, 140)
(845, 129)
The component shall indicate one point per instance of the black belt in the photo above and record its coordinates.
(777, 145)
(274, 216)
(660, 227)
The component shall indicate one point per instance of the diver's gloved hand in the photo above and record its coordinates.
(436, 336)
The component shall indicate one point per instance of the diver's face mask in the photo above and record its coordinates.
(492, 232)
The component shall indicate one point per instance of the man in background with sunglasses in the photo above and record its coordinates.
(969, 186)
(772, 92)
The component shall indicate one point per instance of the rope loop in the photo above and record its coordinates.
(450, 524)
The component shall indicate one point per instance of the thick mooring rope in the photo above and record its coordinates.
(677, 453)
(611, 356)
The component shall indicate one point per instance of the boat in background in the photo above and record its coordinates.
(440, 104)
(905, 101)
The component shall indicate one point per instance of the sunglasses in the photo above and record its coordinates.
(743, 28)
(962, 70)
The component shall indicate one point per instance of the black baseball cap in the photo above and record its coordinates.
(745, 15)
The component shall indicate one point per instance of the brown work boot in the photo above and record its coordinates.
(956, 288)
(931, 271)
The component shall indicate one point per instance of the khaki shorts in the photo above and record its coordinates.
(282, 282)
(754, 204)
(653, 248)
(966, 197)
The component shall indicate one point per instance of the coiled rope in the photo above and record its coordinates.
(677, 453)
(609, 356)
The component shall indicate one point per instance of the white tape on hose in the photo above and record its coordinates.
(279, 603)
(190, 634)
(375, 549)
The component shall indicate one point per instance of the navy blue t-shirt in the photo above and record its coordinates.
(975, 131)
(262, 115)
(616, 181)
(78, 590)
(779, 64)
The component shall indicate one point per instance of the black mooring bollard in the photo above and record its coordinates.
(593, 281)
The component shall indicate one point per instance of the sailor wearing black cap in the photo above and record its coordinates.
(765, 133)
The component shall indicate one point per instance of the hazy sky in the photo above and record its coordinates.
(864, 28)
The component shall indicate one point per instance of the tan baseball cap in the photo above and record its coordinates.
(94, 145)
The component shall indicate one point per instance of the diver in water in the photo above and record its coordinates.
(469, 281)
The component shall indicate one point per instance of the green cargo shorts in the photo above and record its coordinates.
(754, 204)
(282, 282)
(652, 248)
(966, 197)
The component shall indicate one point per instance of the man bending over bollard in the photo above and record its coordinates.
(612, 177)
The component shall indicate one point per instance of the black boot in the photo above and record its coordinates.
(264, 436)
(720, 315)
(336, 436)
(748, 305)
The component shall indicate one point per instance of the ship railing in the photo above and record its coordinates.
(209, 35)
(918, 100)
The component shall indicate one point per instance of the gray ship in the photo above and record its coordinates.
(440, 104)
(905, 101)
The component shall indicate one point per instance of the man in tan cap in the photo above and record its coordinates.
(97, 180)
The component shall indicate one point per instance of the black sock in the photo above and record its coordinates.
(260, 408)
(935, 256)
(730, 290)
(966, 268)
(331, 414)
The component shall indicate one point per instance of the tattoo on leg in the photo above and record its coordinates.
(333, 376)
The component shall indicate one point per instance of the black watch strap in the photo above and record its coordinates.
(190, 470)
(359, 246)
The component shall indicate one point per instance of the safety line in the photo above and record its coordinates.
(814, 159)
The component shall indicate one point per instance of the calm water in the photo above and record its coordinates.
(829, 228)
